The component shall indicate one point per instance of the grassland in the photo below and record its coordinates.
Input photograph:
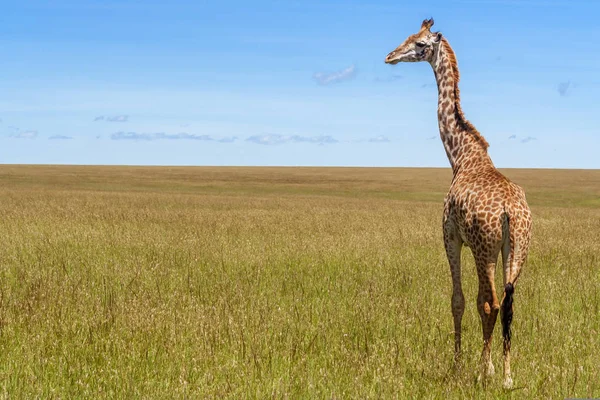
(278, 283)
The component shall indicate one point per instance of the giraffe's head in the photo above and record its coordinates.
(417, 47)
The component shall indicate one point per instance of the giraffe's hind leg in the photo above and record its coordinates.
(488, 307)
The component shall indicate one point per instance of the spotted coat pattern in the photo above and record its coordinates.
(483, 209)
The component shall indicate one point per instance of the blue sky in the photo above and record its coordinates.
(292, 82)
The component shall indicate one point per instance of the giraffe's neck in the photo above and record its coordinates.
(464, 145)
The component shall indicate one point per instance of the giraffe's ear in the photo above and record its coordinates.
(427, 24)
(438, 37)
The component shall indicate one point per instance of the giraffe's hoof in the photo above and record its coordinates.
(457, 362)
(508, 383)
(482, 380)
(487, 371)
(490, 370)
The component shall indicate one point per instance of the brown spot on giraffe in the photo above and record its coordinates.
(483, 209)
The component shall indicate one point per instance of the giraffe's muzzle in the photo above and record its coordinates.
(391, 58)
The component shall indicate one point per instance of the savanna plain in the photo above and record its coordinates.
(164, 282)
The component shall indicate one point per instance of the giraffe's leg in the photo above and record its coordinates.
(453, 245)
(488, 307)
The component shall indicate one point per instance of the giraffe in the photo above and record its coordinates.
(483, 209)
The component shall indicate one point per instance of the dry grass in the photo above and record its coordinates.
(278, 282)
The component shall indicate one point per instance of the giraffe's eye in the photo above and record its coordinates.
(420, 44)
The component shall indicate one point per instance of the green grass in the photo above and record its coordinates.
(125, 282)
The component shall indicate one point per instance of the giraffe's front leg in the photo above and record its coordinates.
(453, 245)
(458, 309)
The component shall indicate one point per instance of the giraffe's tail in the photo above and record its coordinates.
(507, 312)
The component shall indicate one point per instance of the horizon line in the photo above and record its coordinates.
(271, 166)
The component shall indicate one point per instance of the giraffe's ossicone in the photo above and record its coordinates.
(483, 209)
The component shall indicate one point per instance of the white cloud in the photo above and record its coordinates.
(380, 139)
(114, 118)
(274, 139)
(121, 135)
(29, 134)
(326, 78)
(227, 139)
(528, 139)
(60, 137)
(564, 88)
